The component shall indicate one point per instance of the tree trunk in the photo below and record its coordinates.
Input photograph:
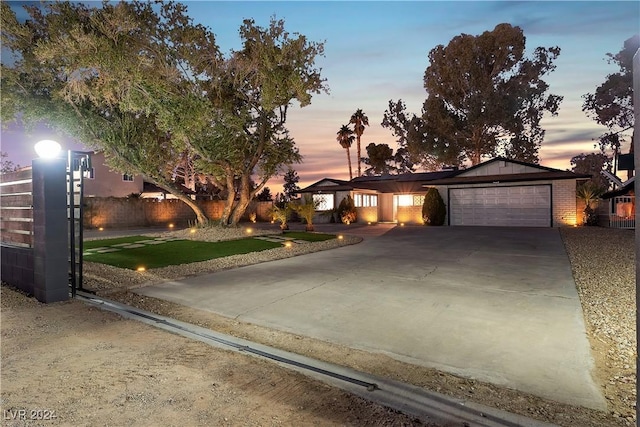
(231, 196)
(349, 161)
(359, 172)
(200, 216)
(243, 203)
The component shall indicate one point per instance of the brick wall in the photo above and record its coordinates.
(114, 212)
(564, 203)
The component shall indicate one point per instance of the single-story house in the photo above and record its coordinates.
(498, 192)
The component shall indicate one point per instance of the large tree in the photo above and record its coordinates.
(359, 121)
(290, 187)
(134, 71)
(380, 159)
(593, 164)
(612, 103)
(485, 98)
(345, 139)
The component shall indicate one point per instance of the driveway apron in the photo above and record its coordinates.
(495, 304)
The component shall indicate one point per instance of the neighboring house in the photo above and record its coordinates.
(102, 181)
(498, 192)
(618, 207)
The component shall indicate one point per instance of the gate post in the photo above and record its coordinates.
(50, 234)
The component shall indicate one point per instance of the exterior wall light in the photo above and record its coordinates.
(47, 149)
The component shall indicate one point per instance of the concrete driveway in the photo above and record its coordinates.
(495, 304)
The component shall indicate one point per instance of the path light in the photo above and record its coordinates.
(192, 231)
(170, 225)
(287, 244)
(141, 269)
(340, 237)
(249, 230)
(47, 149)
(101, 229)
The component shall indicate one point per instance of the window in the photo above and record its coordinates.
(324, 201)
(405, 200)
(127, 177)
(365, 200)
(90, 173)
(410, 199)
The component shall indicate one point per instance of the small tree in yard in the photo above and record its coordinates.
(433, 208)
(590, 192)
(347, 210)
(280, 214)
(306, 209)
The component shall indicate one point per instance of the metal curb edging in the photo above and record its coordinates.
(409, 399)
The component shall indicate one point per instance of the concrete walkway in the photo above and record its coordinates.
(495, 304)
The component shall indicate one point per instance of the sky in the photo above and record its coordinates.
(378, 51)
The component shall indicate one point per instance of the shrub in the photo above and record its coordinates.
(347, 210)
(433, 208)
(306, 208)
(281, 215)
(590, 193)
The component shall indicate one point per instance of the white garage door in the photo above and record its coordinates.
(521, 206)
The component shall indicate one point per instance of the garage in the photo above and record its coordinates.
(511, 206)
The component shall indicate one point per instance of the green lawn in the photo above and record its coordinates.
(173, 252)
(180, 251)
(309, 237)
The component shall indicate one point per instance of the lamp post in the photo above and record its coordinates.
(50, 240)
(58, 194)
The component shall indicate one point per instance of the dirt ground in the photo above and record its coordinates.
(69, 364)
(89, 367)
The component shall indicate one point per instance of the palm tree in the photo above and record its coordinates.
(345, 138)
(359, 120)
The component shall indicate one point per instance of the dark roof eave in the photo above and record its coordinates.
(541, 176)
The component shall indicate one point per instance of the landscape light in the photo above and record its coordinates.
(287, 244)
(249, 231)
(47, 149)
(402, 224)
(170, 225)
(192, 231)
(340, 237)
(101, 229)
(141, 269)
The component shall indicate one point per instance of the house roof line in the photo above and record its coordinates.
(520, 177)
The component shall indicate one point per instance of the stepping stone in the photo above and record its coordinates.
(134, 246)
(102, 248)
(104, 251)
(154, 242)
(121, 245)
(273, 240)
(300, 241)
(148, 242)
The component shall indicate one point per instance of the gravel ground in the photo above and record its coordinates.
(603, 263)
